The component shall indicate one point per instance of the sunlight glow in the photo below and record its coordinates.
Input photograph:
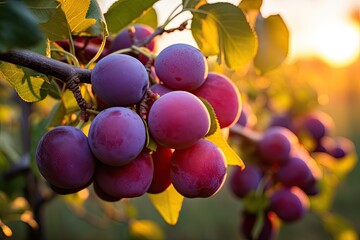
(338, 43)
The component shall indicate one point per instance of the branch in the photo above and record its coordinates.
(67, 73)
(63, 71)
(246, 133)
(159, 31)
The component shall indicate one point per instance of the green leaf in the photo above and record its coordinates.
(168, 204)
(273, 37)
(213, 120)
(222, 29)
(31, 88)
(57, 28)
(193, 3)
(150, 143)
(99, 27)
(42, 48)
(124, 12)
(54, 90)
(42, 9)
(37, 131)
(250, 4)
(56, 115)
(149, 18)
(19, 28)
(254, 202)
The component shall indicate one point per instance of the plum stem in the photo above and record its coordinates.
(147, 101)
(247, 133)
(159, 31)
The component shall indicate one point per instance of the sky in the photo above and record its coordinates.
(319, 28)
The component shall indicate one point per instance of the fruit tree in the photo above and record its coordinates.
(97, 113)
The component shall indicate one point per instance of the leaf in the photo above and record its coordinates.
(150, 143)
(146, 230)
(19, 28)
(56, 115)
(213, 120)
(250, 4)
(76, 12)
(339, 227)
(99, 27)
(149, 18)
(31, 88)
(222, 29)
(57, 28)
(37, 131)
(273, 37)
(339, 167)
(168, 204)
(124, 12)
(254, 202)
(193, 3)
(231, 157)
(42, 9)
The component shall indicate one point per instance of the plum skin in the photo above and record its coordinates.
(161, 180)
(295, 172)
(181, 67)
(119, 80)
(223, 96)
(122, 39)
(276, 145)
(128, 181)
(243, 181)
(117, 135)
(64, 158)
(178, 119)
(290, 204)
(199, 170)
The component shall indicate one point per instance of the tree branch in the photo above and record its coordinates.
(63, 71)
(67, 73)
(246, 133)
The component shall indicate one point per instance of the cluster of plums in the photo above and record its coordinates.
(114, 156)
(280, 167)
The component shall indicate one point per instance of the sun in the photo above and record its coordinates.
(338, 43)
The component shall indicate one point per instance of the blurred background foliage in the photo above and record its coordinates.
(333, 90)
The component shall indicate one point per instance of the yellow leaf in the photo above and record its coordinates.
(168, 204)
(231, 157)
(145, 230)
(340, 167)
(75, 11)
